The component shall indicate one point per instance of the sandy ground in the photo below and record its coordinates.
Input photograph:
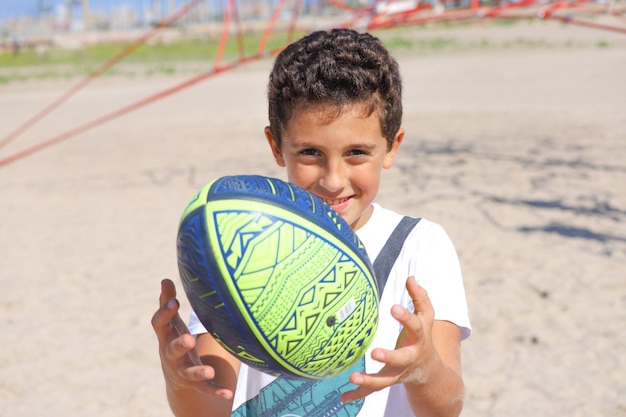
(518, 152)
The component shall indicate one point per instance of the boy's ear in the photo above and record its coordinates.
(391, 153)
(278, 154)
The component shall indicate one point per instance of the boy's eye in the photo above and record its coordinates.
(357, 152)
(309, 152)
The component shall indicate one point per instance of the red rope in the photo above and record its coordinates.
(294, 19)
(224, 36)
(134, 106)
(270, 26)
(377, 21)
(568, 20)
(96, 122)
(85, 81)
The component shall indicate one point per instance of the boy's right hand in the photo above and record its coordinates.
(182, 368)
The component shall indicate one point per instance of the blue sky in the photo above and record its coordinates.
(16, 8)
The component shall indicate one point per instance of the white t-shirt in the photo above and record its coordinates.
(427, 254)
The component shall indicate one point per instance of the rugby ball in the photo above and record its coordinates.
(277, 277)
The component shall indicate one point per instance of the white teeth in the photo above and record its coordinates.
(335, 202)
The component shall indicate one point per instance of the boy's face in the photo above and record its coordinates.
(339, 160)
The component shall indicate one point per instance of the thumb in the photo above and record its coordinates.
(166, 317)
(168, 291)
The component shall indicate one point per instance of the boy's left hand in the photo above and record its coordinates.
(414, 352)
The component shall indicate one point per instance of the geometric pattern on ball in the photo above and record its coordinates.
(277, 277)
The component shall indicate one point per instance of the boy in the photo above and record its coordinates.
(335, 112)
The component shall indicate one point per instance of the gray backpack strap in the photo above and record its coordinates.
(389, 253)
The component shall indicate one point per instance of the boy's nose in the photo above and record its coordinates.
(334, 178)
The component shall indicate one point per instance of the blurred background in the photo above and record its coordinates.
(34, 18)
(516, 136)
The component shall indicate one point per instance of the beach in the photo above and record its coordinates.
(517, 151)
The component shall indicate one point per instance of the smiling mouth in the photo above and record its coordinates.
(336, 202)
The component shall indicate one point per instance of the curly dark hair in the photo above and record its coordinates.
(333, 71)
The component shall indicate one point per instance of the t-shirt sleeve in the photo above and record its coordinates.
(195, 327)
(436, 267)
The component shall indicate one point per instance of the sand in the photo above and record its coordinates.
(517, 151)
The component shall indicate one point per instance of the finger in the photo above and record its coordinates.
(367, 384)
(362, 391)
(207, 386)
(201, 376)
(166, 321)
(179, 347)
(421, 302)
(394, 360)
(184, 345)
(410, 322)
(168, 291)
(163, 317)
(202, 379)
(199, 373)
(179, 325)
(355, 394)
